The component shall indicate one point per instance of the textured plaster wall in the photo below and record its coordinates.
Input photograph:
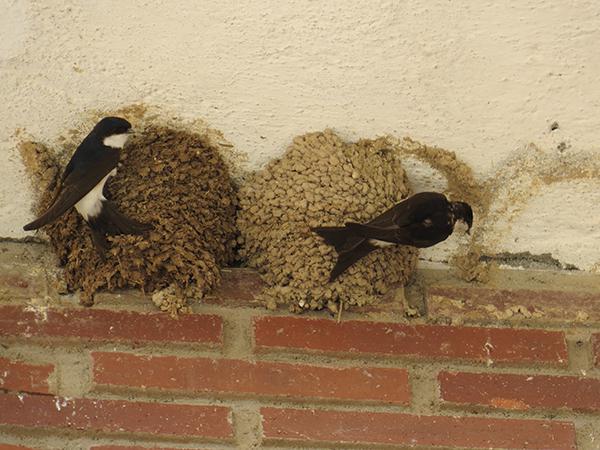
(483, 79)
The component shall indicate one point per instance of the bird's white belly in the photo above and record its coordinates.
(378, 243)
(91, 204)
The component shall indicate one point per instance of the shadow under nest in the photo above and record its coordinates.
(173, 179)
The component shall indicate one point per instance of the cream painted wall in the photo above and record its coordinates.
(482, 78)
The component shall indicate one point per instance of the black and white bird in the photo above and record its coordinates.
(422, 220)
(83, 185)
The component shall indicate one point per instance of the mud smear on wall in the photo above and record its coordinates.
(467, 263)
(525, 176)
(172, 177)
(322, 181)
(501, 198)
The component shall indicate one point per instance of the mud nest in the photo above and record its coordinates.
(322, 180)
(175, 180)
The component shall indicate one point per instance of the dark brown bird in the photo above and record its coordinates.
(422, 220)
(82, 185)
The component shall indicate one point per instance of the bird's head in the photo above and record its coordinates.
(113, 131)
(463, 212)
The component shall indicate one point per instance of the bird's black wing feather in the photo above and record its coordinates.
(394, 235)
(80, 177)
(395, 224)
(111, 221)
(339, 237)
(347, 259)
(408, 211)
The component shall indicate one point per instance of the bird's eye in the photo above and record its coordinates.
(427, 222)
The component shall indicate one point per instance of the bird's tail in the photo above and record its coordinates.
(100, 242)
(348, 245)
(335, 236)
(111, 221)
(346, 259)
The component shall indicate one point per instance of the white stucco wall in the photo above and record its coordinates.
(482, 78)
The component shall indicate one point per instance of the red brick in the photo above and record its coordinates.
(115, 416)
(120, 447)
(14, 447)
(491, 345)
(472, 304)
(16, 285)
(105, 325)
(20, 376)
(13, 280)
(20, 274)
(364, 428)
(522, 392)
(596, 348)
(270, 379)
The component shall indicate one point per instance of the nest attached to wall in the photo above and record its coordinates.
(322, 181)
(174, 179)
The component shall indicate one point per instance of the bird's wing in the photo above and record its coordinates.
(65, 174)
(394, 234)
(394, 225)
(409, 210)
(346, 259)
(77, 182)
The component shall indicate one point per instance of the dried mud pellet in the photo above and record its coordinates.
(342, 182)
(175, 180)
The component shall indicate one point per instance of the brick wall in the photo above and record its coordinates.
(233, 375)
